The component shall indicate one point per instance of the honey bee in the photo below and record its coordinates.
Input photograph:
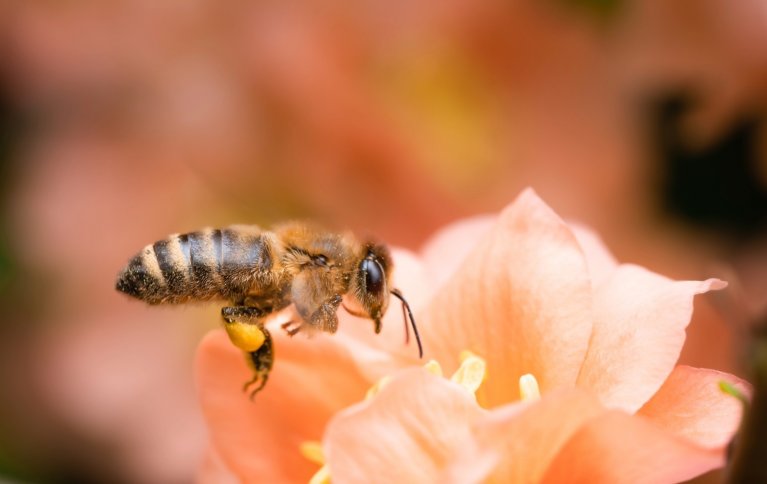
(260, 272)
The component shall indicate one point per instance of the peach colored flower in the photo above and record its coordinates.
(547, 309)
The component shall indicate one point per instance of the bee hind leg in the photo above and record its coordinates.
(245, 326)
(261, 360)
(242, 314)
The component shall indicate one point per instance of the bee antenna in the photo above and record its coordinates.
(406, 307)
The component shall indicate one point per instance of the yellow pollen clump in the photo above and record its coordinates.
(528, 387)
(247, 337)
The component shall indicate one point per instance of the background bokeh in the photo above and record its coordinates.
(124, 121)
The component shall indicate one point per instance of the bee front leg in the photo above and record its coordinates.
(261, 360)
(325, 317)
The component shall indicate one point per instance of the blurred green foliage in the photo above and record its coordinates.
(9, 135)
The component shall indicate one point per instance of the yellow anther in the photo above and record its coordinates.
(471, 372)
(464, 355)
(432, 366)
(322, 476)
(247, 337)
(375, 389)
(312, 450)
(528, 387)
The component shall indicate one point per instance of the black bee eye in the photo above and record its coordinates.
(374, 276)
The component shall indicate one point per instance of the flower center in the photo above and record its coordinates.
(469, 375)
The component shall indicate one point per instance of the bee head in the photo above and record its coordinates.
(371, 288)
(371, 282)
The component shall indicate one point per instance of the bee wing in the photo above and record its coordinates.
(315, 299)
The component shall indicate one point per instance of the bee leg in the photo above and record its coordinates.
(232, 314)
(261, 360)
(325, 317)
(244, 325)
(291, 330)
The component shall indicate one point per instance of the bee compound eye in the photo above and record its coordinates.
(320, 260)
(374, 276)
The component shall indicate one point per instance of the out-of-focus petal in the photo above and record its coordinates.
(691, 404)
(214, 471)
(408, 432)
(639, 330)
(312, 379)
(525, 437)
(521, 300)
(620, 448)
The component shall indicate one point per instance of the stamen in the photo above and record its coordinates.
(322, 476)
(471, 373)
(312, 451)
(432, 366)
(528, 387)
(377, 387)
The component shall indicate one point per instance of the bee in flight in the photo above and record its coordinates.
(261, 272)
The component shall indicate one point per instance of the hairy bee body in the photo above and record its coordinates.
(262, 271)
(205, 265)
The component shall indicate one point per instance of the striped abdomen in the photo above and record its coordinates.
(209, 264)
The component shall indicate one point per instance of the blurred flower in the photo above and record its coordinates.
(589, 345)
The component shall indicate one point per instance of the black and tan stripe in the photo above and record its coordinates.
(207, 264)
(244, 257)
(142, 278)
(174, 266)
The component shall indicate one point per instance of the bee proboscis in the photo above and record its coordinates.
(261, 272)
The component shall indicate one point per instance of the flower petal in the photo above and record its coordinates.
(311, 380)
(444, 253)
(408, 433)
(521, 300)
(526, 437)
(620, 448)
(214, 470)
(600, 260)
(691, 404)
(639, 330)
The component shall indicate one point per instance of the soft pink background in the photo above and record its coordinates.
(139, 119)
